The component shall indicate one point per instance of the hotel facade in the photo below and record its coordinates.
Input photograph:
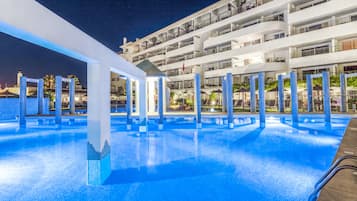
(245, 37)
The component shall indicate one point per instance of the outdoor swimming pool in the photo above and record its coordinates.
(280, 162)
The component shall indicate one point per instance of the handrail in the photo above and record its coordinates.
(334, 165)
(314, 194)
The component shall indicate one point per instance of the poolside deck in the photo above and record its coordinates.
(343, 187)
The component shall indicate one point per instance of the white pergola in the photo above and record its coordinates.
(28, 20)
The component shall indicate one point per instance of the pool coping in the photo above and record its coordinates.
(344, 185)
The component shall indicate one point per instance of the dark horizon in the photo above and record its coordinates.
(107, 21)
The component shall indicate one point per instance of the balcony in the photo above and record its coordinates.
(214, 50)
(312, 51)
(181, 50)
(345, 51)
(339, 31)
(324, 24)
(305, 5)
(324, 9)
(261, 27)
(180, 58)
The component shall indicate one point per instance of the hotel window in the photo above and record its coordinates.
(350, 69)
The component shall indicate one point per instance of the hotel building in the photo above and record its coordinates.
(249, 36)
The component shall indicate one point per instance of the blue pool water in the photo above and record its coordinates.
(181, 163)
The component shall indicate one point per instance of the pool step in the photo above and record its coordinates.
(353, 128)
(349, 152)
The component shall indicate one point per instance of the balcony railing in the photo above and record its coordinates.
(184, 44)
(344, 45)
(299, 7)
(325, 24)
(312, 51)
(249, 24)
(275, 60)
(172, 47)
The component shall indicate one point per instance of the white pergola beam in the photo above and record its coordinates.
(30, 21)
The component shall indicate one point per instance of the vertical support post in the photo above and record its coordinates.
(343, 92)
(229, 83)
(161, 103)
(58, 111)
(137, 97)
(143, 107)
(98, 146)
(281, 93)
(23, 87)
(151, 95)
(252, 93)
(261, 99)
(40, 96)
(309, 93)
(128, 103)
(72, 100)
(294, 98)
(326, 91)
(224, 95)
(198, 99)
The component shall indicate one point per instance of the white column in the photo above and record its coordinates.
(151, 95)
(98, 149)
(72, 94)
(334, 45)
(143, 106)
(58, 100)
(137, 97)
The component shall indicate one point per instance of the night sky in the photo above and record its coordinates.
(108, 21)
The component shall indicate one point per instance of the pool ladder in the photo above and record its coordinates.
(331, 172)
